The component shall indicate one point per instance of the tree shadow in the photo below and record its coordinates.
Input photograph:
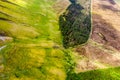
(75, 25)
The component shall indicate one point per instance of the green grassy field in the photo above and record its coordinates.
(34, 19)
(36, 52)
(102, 74)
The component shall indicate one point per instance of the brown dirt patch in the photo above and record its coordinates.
(103, 49)
(103, 32)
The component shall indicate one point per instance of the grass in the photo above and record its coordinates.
(36, 52)
(35, 63)
(102, 74)
(34, 19)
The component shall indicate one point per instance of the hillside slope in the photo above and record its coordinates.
(30, 42)
(103, 49)
(95, 59)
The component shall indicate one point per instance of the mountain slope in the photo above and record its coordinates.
(31, 45)
(102, 50)
(95, 59)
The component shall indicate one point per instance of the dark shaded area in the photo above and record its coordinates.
(3, 33)
(103, 32)
(9, 2)
(75, 25)
(2, 6)
(73, 1)
(109, 7)
(4, 19)
(4, 14)
(112, 2)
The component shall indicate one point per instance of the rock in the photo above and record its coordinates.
(4, 39)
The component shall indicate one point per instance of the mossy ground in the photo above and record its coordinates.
(35, 63)
(102, 74)
(36, 52)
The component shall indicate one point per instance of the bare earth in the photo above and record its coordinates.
(103, 49)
